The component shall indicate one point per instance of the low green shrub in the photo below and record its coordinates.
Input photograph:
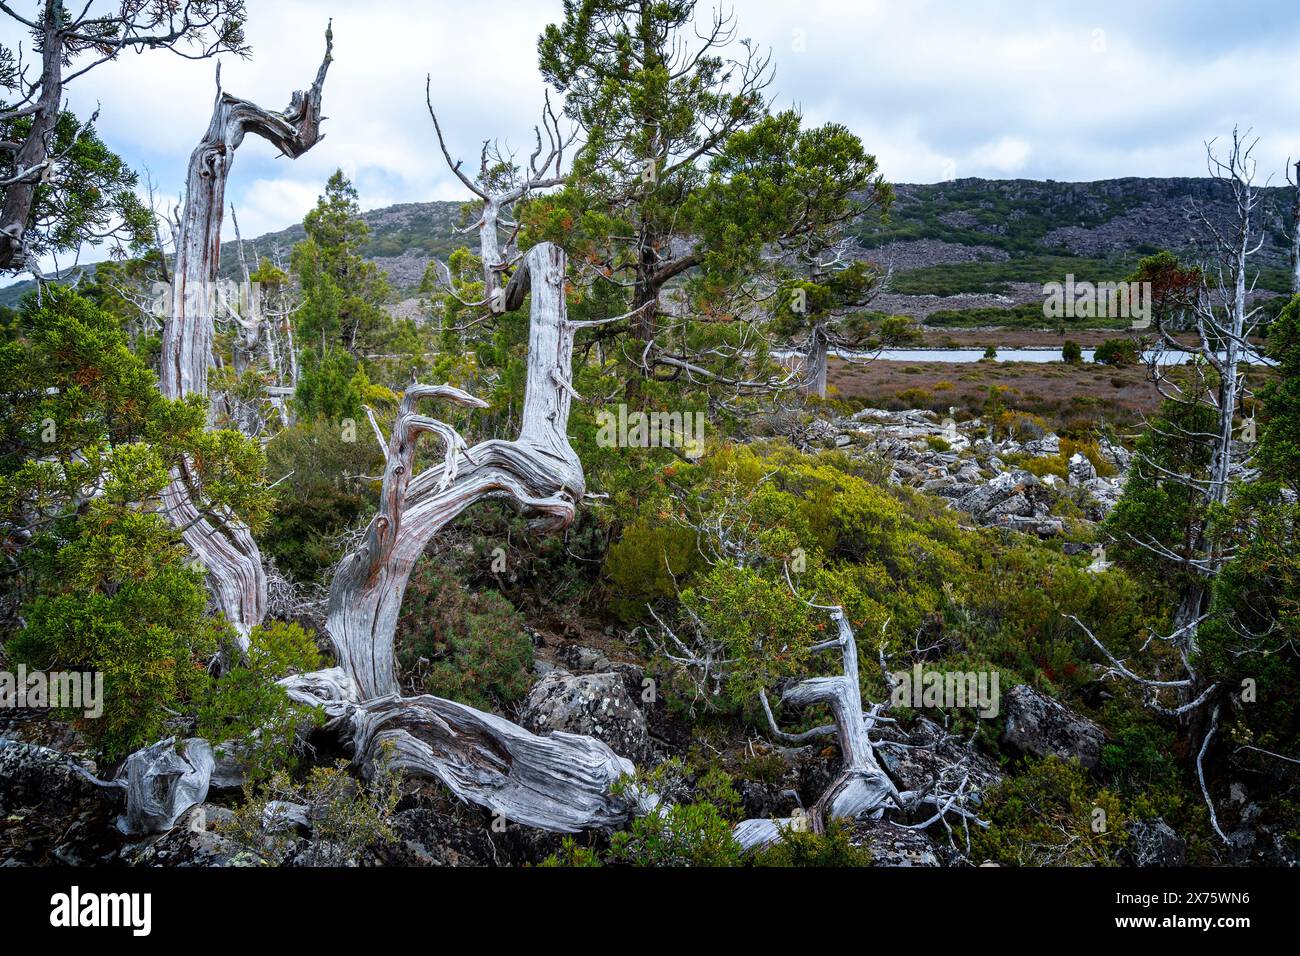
(805, 848)
(693, 834)
(1116, 352)
(467, 646)
(124, 602)
(1051, 815)
(246, 705)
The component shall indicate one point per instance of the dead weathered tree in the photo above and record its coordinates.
(1294, 234)
(1226, 322)
(224, 546)
(863, 787)
(539, 472)
(263, 378)
(556, 782)
(1212, 381)
(1204, 397)
(500, 186)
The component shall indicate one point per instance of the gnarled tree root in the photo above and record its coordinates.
(559, 782)
(863, 788)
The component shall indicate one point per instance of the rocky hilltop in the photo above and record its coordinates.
(981, 237)
(1002, 219)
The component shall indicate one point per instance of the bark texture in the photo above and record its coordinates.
(555, 782)
(31, 159)
(863, 788)
(226, 548)
(815, 361)
(539, 474)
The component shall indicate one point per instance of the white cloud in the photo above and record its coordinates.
(271, 204)
(1007, 155)
(935, 88)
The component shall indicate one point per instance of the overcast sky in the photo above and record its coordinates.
(936, 88)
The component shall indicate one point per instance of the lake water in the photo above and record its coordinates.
(976, 354)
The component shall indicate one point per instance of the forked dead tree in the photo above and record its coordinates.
(862, 788)
(258, 316)
(539, 472)
(1207, 394)
(223, 545)
(500, 186)
(556, 782)
(1213, 384)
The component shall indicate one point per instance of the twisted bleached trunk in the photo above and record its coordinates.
(539, 473)
(226, 548)
(559, 782)
(862, 787)
(555, 782)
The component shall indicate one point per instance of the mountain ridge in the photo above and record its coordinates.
(950, 234)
